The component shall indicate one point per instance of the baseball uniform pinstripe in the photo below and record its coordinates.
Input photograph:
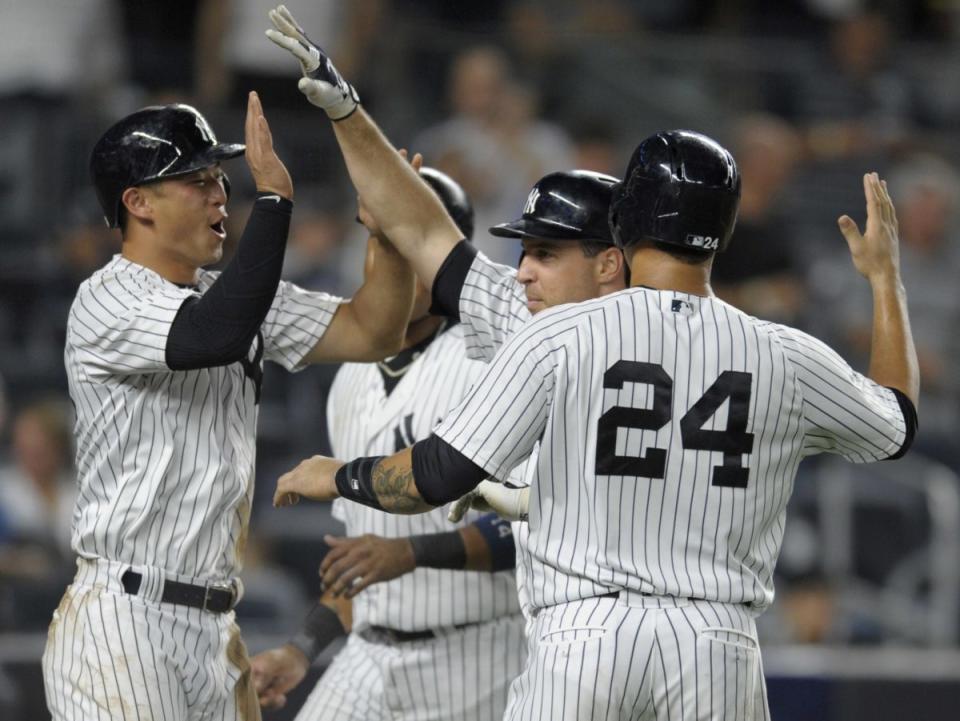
(165, 463)
(463, 673)
(492, 307)
(671, 428)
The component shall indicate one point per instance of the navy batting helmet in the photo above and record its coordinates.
(152, 144)
(571, 205)
(453, 197)
(681, 188)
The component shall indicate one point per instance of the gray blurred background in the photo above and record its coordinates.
(808, 94)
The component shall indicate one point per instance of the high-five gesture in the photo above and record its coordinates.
(321, 83)
(268, 171)
(877, 251)
(876, 255)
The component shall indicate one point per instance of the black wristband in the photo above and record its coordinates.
(320, 628)
(439, 550)
(498, 534)
(355, 481)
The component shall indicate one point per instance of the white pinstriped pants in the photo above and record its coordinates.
(641, 657)
(111, 655)
(462, 675)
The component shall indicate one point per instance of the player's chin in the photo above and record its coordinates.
(535, 306)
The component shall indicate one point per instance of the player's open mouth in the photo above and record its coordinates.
(218, 229)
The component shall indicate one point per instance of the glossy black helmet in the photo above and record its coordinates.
(453, 197)
(681, 188)
(152, 144)
(572, 205)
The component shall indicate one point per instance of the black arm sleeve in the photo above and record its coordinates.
(217, 328)
(439, 550)
(910, 417)
(441, 473)
(320, 628)
(449, 280)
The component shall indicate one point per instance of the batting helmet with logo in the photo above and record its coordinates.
(571, 205)
(681, 188)
(152, 144)
(453, 197)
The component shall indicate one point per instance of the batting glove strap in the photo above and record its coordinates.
(439, 550)
(355, 481)
(320, 628)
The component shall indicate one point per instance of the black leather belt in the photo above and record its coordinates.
(216, 599)
(396, 635)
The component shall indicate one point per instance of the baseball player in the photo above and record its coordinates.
(164, 362)
(578, 203)
(436, 642)
(670, 426)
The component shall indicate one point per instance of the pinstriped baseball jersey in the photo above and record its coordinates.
(165, 458)
(671, 428)
(493, 307)
(365, 420)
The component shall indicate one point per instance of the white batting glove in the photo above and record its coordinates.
(508, 502)
(321, 83)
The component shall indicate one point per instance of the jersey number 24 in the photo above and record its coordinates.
(733, 441)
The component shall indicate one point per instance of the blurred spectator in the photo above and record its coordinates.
(37, 494)
(759, 272)
(595, 147)
(161, 46)
(316, 236)
(494, 144)
(52, 55)
(235, 57)
(856, 101)
(58, 50)
(37, 488)
(926, 191)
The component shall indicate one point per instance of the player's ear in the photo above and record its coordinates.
(136, 201)
(610, 265)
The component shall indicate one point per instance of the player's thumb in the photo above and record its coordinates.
(333, 540)
(849, 229)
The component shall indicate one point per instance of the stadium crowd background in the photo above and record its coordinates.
(808, 94)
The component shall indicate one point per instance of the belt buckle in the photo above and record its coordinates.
(208, 588)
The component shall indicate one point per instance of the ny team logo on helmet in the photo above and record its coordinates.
(153, 144)
(681, 188)
(453, 197)
(571, 205)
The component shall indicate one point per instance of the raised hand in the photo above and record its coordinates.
(321, 82)
(875, 253)
(269, 173)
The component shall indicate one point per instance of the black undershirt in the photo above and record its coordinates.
(448, 283)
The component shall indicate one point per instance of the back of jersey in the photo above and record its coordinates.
(672, 426)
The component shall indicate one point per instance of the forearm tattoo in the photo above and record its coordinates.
(396, 490)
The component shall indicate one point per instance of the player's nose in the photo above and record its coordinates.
(525, 271)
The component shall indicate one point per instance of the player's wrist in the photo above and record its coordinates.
(407, 558)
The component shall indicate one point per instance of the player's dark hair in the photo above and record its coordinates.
(685, 254)
(593, 248)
